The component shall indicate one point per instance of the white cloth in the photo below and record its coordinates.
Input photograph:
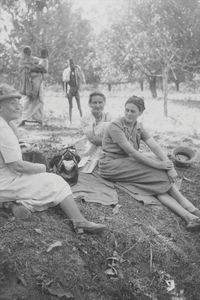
(65, 75)
(92, 152)
(80, 78)
(36, 191)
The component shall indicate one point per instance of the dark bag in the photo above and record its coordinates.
(26, 87)
(65, 164)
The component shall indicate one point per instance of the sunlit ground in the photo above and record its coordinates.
(182, 119)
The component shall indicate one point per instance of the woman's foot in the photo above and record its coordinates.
(196, 213)
(193, 225)
(90, 227)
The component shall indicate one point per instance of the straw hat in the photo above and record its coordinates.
(8, 92)
(183, 156)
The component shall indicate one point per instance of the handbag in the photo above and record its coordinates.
(65, 164)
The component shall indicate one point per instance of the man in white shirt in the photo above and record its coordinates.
(74, 78)
(65, 77)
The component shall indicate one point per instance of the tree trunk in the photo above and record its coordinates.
(141, 85)
(165, 73)
(152, 86)
(177, 85)
(109, 87)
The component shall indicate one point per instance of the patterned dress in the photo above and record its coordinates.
(117, 166)
(89, 124)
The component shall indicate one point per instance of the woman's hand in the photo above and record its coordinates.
(165, 165)
(172, 174)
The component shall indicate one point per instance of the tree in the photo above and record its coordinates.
(51, 24)
(158, 37)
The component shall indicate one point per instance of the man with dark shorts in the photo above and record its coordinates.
(75, 79)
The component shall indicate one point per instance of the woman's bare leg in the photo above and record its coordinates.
(72, 211)
(183, 201)
(171, 203)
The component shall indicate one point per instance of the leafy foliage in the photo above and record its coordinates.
(53, 25)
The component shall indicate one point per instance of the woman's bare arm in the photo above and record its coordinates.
(26, 167)
(156, 149)
(119, 136)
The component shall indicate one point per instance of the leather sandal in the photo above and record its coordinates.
(90, 227)
(196, 213)
(193, 225)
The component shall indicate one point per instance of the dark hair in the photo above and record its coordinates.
(137, 101)
(96, 94)
(44, 53)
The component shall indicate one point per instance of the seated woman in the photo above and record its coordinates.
(122, 161)
(93, 126)
(28, 183)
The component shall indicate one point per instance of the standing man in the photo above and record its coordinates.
(74, 79)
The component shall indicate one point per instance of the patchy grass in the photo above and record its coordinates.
(148, 244)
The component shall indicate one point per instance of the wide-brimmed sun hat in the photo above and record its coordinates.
(8, 92)
(183, 156)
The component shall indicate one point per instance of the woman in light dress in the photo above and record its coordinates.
(26, 185)
(93, 126)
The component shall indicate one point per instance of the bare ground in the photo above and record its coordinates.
(142, 253)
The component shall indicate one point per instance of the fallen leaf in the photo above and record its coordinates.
(22, 280)
(54, 245)
(187, 179)
(60, 292)
(112, 258)
(38, 231)
(171, 285)
(116, 209)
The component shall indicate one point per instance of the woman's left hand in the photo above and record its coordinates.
(172, 174)
(166, 165)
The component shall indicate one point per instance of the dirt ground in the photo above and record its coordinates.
(146, 252)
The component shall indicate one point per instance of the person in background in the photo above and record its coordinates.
(26, 186)
(33, 76)
(93, 126)
(121, 161)
(74, 79)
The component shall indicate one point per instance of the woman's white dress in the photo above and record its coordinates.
(35, 191)
(92, 152)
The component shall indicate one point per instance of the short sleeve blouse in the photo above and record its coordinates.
(9, 146)
(118, 134)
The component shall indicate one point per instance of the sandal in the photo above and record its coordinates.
(196, 213)
(194, 225)
(89, 227)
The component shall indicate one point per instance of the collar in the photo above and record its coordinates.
(125, 126)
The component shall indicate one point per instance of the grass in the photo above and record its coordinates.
(150, 244)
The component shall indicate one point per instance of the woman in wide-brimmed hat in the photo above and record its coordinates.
(122, 161)
(26, 183)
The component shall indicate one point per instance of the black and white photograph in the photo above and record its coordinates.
(99, 149)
